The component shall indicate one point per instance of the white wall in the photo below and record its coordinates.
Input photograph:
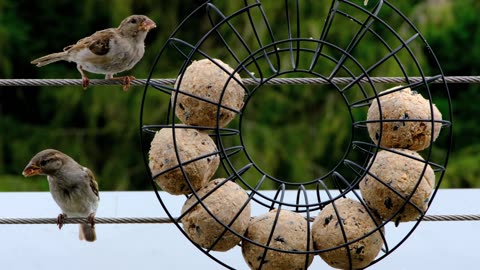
(434, 245)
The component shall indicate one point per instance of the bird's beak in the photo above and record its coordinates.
(147, 25)
(31, 170)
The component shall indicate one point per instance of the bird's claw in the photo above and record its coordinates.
(85, 83)
(127, 80)
(61, 220)
(91, 220)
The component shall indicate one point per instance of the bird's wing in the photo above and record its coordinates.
(92, 182)
(98, 43)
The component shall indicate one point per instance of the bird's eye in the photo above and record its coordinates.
(43, 162)
(133, 20)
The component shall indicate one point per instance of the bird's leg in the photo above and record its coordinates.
(91, 220)
(126, 80)
(60, 220)
(85, 80)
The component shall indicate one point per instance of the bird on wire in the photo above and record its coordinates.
(73, 187)
(108, 51)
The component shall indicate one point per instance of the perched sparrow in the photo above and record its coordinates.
(108, 52)
(72, 186)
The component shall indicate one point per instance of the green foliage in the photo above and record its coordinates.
(19, 183)
(463, 170)
(452, 30)
(295, 133)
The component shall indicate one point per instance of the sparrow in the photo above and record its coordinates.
(108, 51)
(73, 187)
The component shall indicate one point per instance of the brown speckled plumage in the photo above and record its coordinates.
(73, 187)
(108, 51)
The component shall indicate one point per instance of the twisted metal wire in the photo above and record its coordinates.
(275, 81)
(164, 220)
(98, 220)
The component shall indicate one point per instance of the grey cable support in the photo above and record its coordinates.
(146, 220)
(275, 81)
(161, 220)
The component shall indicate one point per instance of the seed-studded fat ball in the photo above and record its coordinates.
(357, 222)
(402, 174)
(224, 203)
(290, 234)
(191, 144)
(205, 79)
(406, 117)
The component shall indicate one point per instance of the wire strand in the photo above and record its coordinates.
(164, 220)
(275, 81)
(98, 220)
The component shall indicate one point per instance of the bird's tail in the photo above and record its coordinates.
(48, 59)
(87, 233)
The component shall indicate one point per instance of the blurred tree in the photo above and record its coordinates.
(452, 28)
(100, 127)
